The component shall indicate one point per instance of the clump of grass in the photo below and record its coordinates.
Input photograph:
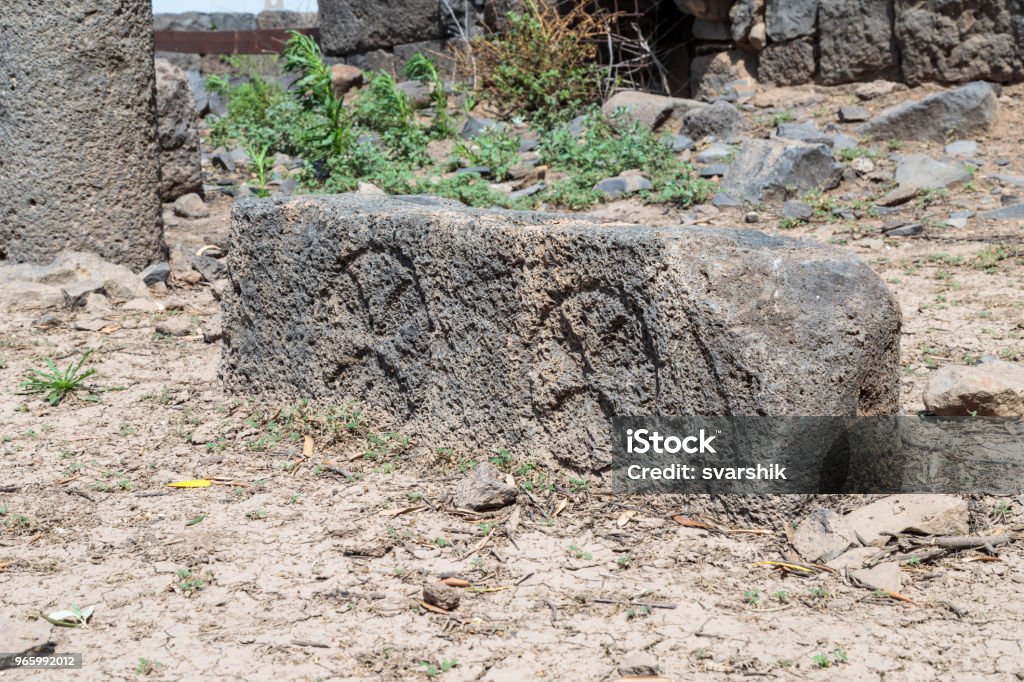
(54, 382)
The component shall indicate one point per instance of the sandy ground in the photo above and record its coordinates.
(310, 566)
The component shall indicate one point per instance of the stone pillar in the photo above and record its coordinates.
(79, 165)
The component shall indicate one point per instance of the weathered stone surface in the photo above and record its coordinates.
(991, 389)
(348, 26)
(204, 21)
(79, 161)
(344, 77)
(627, 183)
(525, 330)
(788, 19)
(962, 111)
(70, 276)
(649, 109)
(771, 170)
(925, 513)
(856, 41)
(919, 170)
(721, 120)
(822, 536)
(442, 596)
(180, 171)
(802, 132)
(960, 40)
(743, 15)
(852, 113)
(789, 63)
(484, 488)
(797, 210)
(713, 75)
(191, 206)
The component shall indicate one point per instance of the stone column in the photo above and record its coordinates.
(79, 164)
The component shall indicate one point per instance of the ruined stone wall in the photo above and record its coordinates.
(790, 42)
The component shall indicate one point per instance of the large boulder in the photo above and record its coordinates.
(717, 74)
(483, 329)
(79, 164)
(348, 26)
(773, 170)
(856, 41)
(180, 171)
(66, 281)
(968, 109)
(960, 40)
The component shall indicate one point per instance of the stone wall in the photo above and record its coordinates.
(840, 41)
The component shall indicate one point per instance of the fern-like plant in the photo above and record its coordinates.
(422, 68)
(332, 131)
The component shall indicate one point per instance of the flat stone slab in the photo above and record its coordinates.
(482, 329)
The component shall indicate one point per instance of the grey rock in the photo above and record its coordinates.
(177, 325)
(157, 272)
(27, 286)
(743, 15)
(802, 132)
(960, 41)
(483, 171)
(442, 596)
(177, 132)
(769, 170)
(46, 321)
(926, 514)
(204, 21)
(680, 143)
(852, 113)
(797, 210)
(752, 217)
(721, 120)
(856, 41)
(349, 26)
(648, 109)
(210, 268)
(531, 329)
(1002, 161)
(639, 664)
(956, 223)
(721, 73)
(713, 170)
(475, 125)
(1011, 212)
(787, 63)
(79, 160)
(903, 230)
(788, 19)
(918, 170)
(990, 389)
(962, 214)
(722, 200)
(616, 187)
(418, 92)
(961, 148)
(89, 325)
(191, 206)
(213, 329)
(577, 126)
(715, 152)
(968, 109)
(842, 141)
(822, 536)
(223, 161)
(484, 488)
(1012, 180)
(197, 86)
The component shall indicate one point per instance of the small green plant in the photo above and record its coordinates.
(441, 542)
(576, 553)
(328, 127)
(1000, 510)
(781, 596)
(640, 611)
(780, 117)
(147, 666)
(752, 597)
(624, 561)
(433, 670)
(578, 485)
(256, 515)
(189, 583)
(261, 161)
(57, 384)
(422, 68)
(502, 459)
(496, 148)
(821, 660)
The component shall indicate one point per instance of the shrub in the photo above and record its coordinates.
(422, 68)
(496, 147)
(543, 64)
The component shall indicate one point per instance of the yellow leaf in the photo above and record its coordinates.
(196, 483)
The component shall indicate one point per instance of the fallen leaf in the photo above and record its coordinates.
(195, 483)
(71, 618)
(195, 519)
(625, 517)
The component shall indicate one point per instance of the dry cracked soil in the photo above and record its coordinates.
(306, 557)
